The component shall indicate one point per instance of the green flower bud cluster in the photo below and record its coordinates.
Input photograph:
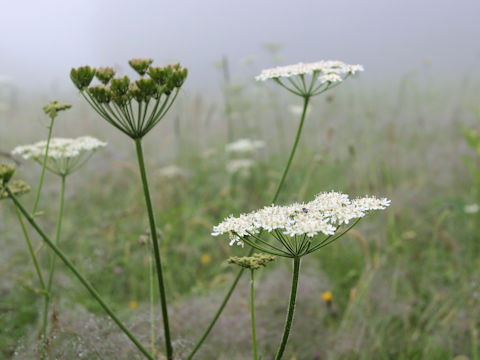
(140, 65)
(256, 261)
(82, 76)
(17, 187)
(52, 108)
(6, 172)
(116, 98)
(163, 80)
(170, 76)
(105, 74)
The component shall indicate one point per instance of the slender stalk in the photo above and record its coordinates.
(252, 312)
(77, 274)
(291, 308)
(240, 272)
(306, 100)
(53, 259)
(152, 303)
(44, 165)
(156, 250)
(30, 249)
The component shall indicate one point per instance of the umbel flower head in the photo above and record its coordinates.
(243, 146)
(323, 76)
(132, 106)
(64, 155)
(254, 262)
(296, 227)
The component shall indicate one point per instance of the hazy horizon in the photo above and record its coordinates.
(42, 42)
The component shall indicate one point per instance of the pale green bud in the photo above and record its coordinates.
(52, 108)
(251, 262)
(140, 65)
(82, 76)
(17, 187)
(6, 172)
(105, 74)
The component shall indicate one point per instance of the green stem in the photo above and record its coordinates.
(240, 272)
(252, 311)
(30, 249)
(152, 303)
(156, 250)
(53, 259)
(79, 276)
(306, 99)
(44, 165)
(291, 308)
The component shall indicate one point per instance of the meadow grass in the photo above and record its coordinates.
(407, 290)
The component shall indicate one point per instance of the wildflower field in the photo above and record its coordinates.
(191, 181)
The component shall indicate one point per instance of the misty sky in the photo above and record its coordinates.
(41, 40)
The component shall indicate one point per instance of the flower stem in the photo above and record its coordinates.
(30, 249)
(291, 308)
(240, 272)
(79, 276)
(252, 312)
(44, 165)
(306, 100)
(156, 250)
(53, 258)
(152, 303)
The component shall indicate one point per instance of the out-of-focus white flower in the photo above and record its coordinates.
(471, 208)
(244, 146)
(322, 215)
(298, 109)
(329, 71)
(239, 165)
(173, 171)
(64, 155)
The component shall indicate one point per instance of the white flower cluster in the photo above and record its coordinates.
(244, 146)
(329, 71)
(59, 148)
(63, 154)
(173, 172)
(239, 165)
(322, 215)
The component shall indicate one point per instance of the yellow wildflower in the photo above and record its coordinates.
(327, 297)
(133, 304)
(205, 259)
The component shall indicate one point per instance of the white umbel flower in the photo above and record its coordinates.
(323, 215)
(64, 155)
(240, 165)
(244, 146)
(329, 71)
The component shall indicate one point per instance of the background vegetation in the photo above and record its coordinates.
(405, 283)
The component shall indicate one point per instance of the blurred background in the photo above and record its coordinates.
(404, 284)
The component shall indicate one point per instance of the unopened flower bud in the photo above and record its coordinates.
(147, 87)
(17, 187)
(179, 77)
(105, 74)
(252, 262)
(53, 107)
(119, 86)
(82, 76)
(100, 93)
(6, 172)
(158, 74)
(140, 65)
(135, 92)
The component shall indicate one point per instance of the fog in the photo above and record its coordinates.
(42, 40)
